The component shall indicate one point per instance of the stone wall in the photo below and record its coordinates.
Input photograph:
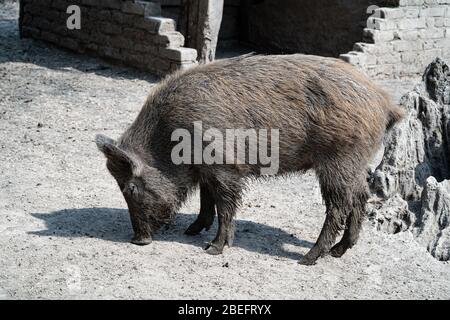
(130, 32)
(398, 40)
(402, 41)
(319, 27)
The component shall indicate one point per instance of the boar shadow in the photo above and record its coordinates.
(114, 225)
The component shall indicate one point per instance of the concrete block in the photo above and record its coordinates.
(179, 54)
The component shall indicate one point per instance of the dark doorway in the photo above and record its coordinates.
(320, 27)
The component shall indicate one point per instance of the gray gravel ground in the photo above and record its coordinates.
(64, 227)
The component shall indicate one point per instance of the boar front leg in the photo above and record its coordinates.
(141, 228)
(228, 198)
(207, 212)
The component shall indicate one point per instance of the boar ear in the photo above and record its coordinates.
(120, 161)
(104, 143)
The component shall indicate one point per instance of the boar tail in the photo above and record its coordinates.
(394, 113)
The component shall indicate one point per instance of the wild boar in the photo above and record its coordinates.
(330, 118)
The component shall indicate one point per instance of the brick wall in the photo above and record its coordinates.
(397, 41)
(320, 27)
(402, 41)
(131, 32)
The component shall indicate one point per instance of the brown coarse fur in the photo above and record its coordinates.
(330, 118)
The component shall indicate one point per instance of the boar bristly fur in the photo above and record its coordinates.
(330, 118)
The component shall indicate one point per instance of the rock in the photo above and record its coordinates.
(432, 228)
(438, 81)
(390, 216)
(419, 146)
(405, 184)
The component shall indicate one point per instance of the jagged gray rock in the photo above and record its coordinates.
(438, 81)
(416, 159)
(392, 215)
(418, 147)
(432, 227)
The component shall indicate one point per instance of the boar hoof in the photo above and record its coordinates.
(338, 250)
(141, 241)
(305, 261)
(311, 257)
(194, 229)
(213, 249)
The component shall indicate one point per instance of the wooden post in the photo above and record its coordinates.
(21, 5)
(204, 18)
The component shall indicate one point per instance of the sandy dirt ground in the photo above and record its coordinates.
(65, 230)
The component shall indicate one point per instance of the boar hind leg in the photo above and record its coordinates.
(353, 224)
(207, 212)
(227, 199)
(337, 196)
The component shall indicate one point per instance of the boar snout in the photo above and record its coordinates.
(142, 229)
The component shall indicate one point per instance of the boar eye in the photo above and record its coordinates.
(132, 190)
